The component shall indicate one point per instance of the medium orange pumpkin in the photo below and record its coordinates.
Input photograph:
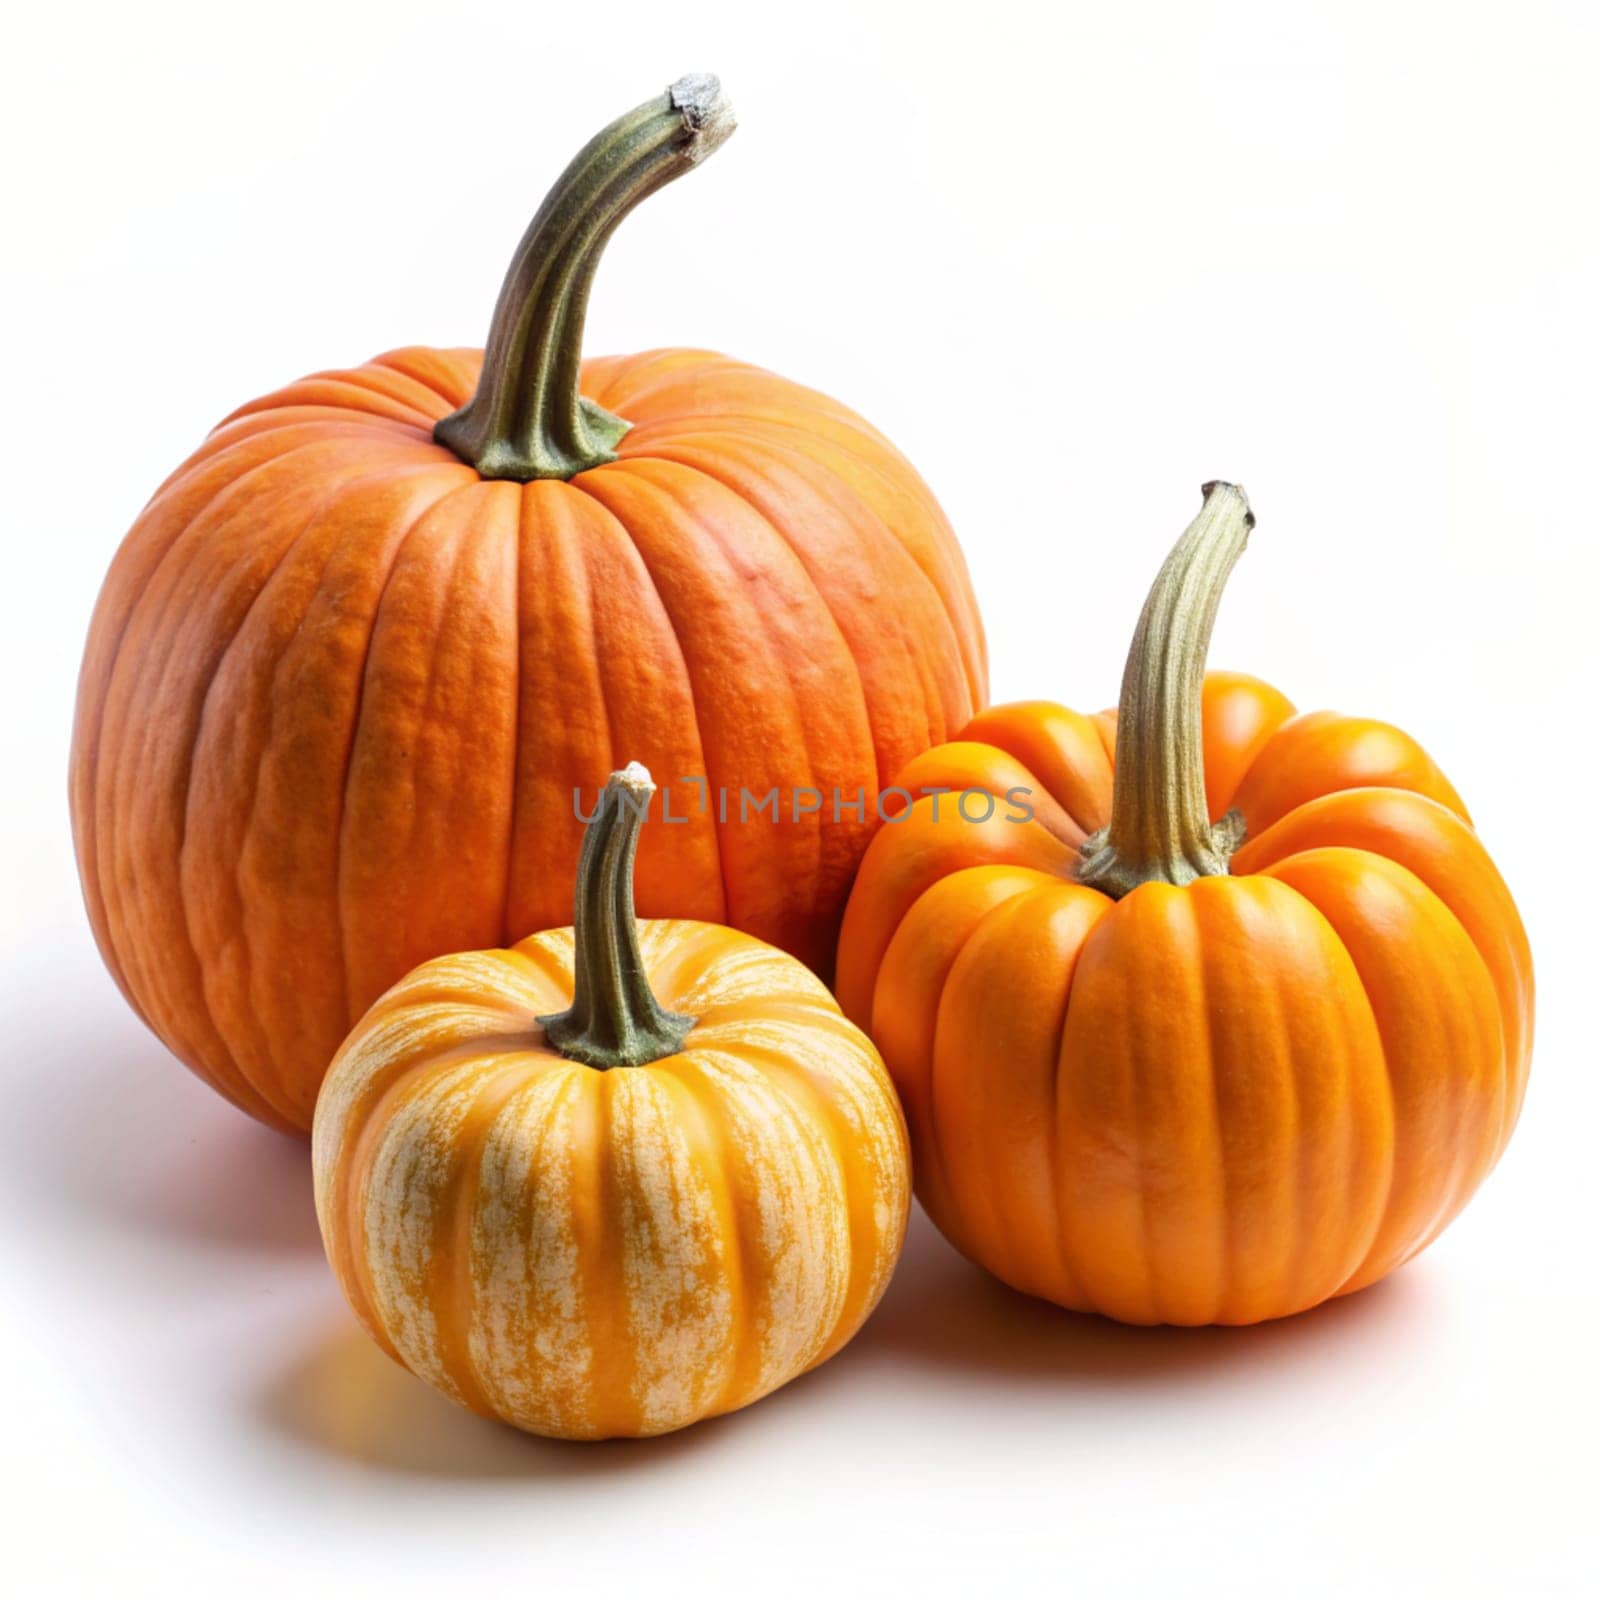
(1237, 1020)
(357, 655)
(616, 1178)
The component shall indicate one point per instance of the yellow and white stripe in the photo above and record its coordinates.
(589, 1254)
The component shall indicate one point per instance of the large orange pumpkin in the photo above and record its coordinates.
(1202, 1013)
(357, 655)
(616, 1178)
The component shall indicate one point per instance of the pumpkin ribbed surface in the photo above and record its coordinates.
(1219, 1102)
(339, 689)
(592, 1253)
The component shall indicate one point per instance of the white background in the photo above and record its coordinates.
(1075, 259)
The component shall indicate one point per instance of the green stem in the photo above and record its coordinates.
(615, 1019)
(528, 418)
(1160, 830)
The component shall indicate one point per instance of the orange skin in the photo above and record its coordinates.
(1210, 1104)
(597, 1254)
(339, 689)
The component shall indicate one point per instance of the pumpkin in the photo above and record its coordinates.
(1199, 1014)
(355, 658)
(616, 1178)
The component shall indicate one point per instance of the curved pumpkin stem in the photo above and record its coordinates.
(615, 1019)
(528, 419)
(1160, 831)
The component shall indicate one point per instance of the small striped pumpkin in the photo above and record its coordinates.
(616, 1178)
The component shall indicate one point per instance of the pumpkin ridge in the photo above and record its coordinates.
(713, 780)
(1083, 831)
(370, 1119)
(187, 526)
(424, 818)
(1422, 774)
(352, 1008)
(658, 366)
(1298, 1143)
(403, 1163)
(691, 419)
(527, 1133)
(84, 776)
(775, 432)
(360, 1131)
(586, 1180)
(586, 560)
(784, 660)
(269, 1076)
(407, 358)
(505, 1080)
(663, 1250)
(277, 1081)
(1352, 1200)
(971, 770)
(1133, 1098)
(328, 421)
(744, 1373)
(888, 560)
(965, 626)
(781, 536)
(1140, 1077)
(874, 455)
(1517, 1027)
(1292, 1256)
(430, 396)
(233, 1065)
(809, 1108)
(855, 440)
(506, 936)
(378, 378)
(1452, 1197)
(1206, 1044)
(605, 1290)
(461, 542)
(688, 677)
(946, 905)
(1022, 906)
(866, 1277)
(936, 1138)
(386, 381)
(539, 951)
(777, 401)
(330, 387)
(996, 727)
(169, 573)
(1461, 1183)
(337, 445)
(1514, 1026)
(1224, 1206)
(812, 1122)
(1217, 685)
(1139, 1100)
(544, 530)
(509, 852)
